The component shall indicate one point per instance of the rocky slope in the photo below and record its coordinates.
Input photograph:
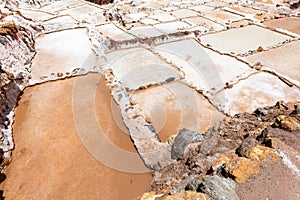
(248, 156)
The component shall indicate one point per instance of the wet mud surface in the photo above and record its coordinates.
(110, 119)
(49, 160)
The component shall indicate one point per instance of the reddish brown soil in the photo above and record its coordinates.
(274, 182)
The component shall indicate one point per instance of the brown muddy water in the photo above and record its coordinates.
(50, 161)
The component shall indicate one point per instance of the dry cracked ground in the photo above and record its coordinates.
(150, 99)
